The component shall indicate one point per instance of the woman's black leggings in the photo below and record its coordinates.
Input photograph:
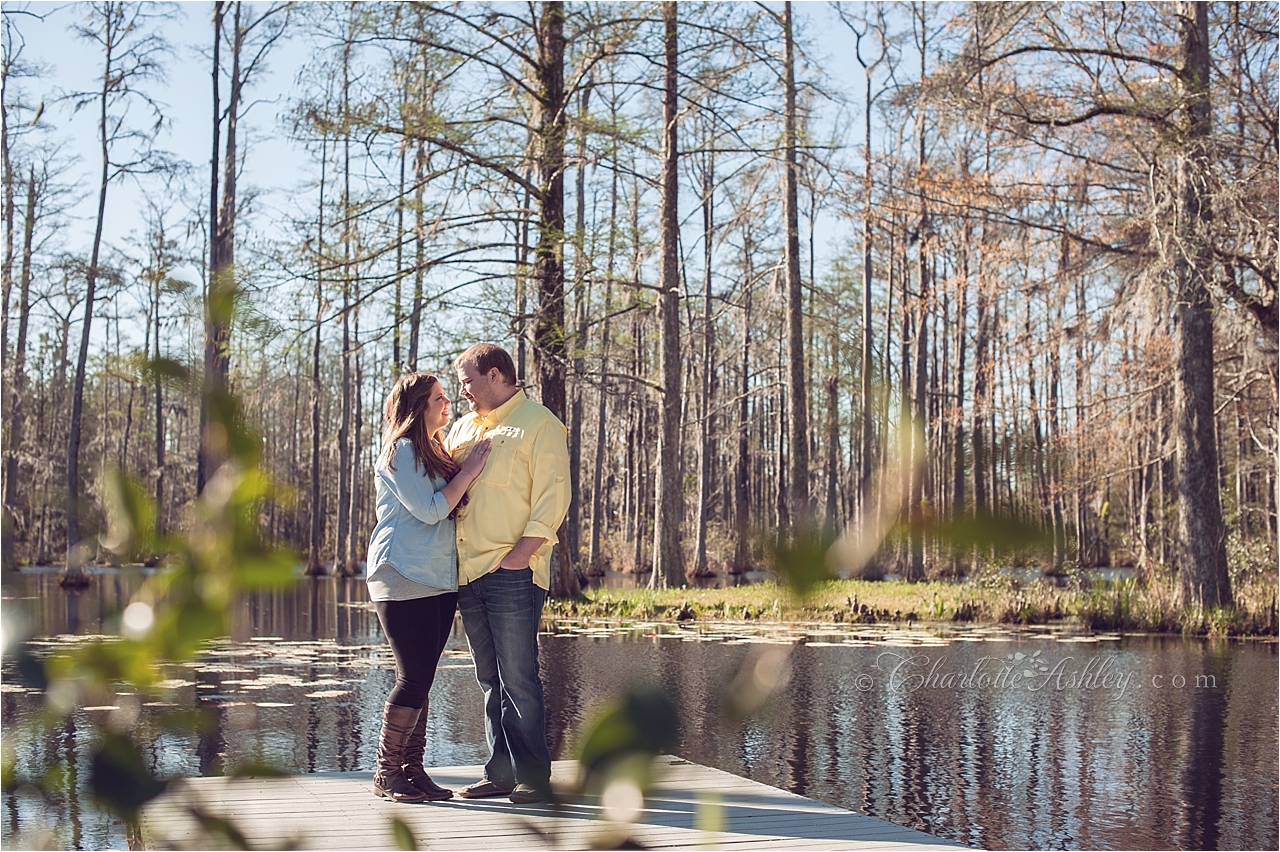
(416, 631)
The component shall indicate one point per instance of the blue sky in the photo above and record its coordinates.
(276, 167)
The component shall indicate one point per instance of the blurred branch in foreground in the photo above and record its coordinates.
(177, 609)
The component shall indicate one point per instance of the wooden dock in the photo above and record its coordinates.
(690, 806)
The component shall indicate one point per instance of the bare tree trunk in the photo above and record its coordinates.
(1000, 448)
(420, 240)
(637, 472)
(1082, 490)
(667, 569)
(962, 338)
(521, 324)
(17, 415)
(868, 410)
(741, 496)
(832, 521)
(73, 573)
(981, 382)
(778, 430)
(1055, 432)
(227, 212)
(397, 312)
(920, 414)
(797, 397)
(341, 552)
(597, 494)
(158, 392)
(358, 482)
(1039, 449)
(8, 509)
(342, 556)
(349, 567)
(315, 554)
(906, 441)
(221, 281)
(1202, 562)
(548, 328)
(708, 345)
(919, 427)
(573, 522)
(10, 210)
(887, 395)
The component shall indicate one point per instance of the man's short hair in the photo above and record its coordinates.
(484, 357)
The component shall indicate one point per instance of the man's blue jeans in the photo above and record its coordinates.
(501, 612)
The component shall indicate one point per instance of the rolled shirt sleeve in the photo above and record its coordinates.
(549, 491)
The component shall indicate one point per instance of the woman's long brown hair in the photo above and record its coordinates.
(402, 418)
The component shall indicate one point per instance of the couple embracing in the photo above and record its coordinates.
(467, 522)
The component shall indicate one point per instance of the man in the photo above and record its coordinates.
(505, 537)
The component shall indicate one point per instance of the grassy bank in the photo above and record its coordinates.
(1116, 605)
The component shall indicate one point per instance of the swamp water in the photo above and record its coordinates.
(998, 738)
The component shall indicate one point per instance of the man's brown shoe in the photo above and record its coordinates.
(527, 794)
(485, 789)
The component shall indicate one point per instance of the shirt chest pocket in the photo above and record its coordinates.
(502, 460)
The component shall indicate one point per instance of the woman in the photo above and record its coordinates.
(413, 571)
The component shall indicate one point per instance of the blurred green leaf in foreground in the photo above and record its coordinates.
(180, 606)
(615, 760)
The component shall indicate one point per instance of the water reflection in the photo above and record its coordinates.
(1163, 763)
(1183, 755)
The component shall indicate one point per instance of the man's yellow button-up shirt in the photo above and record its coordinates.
(522, 491)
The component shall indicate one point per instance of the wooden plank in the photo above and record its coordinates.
(337, 810)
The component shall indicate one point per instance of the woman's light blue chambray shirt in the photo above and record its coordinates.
(414, 535)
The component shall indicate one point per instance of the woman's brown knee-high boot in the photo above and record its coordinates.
(414, 749)
(389, 780)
